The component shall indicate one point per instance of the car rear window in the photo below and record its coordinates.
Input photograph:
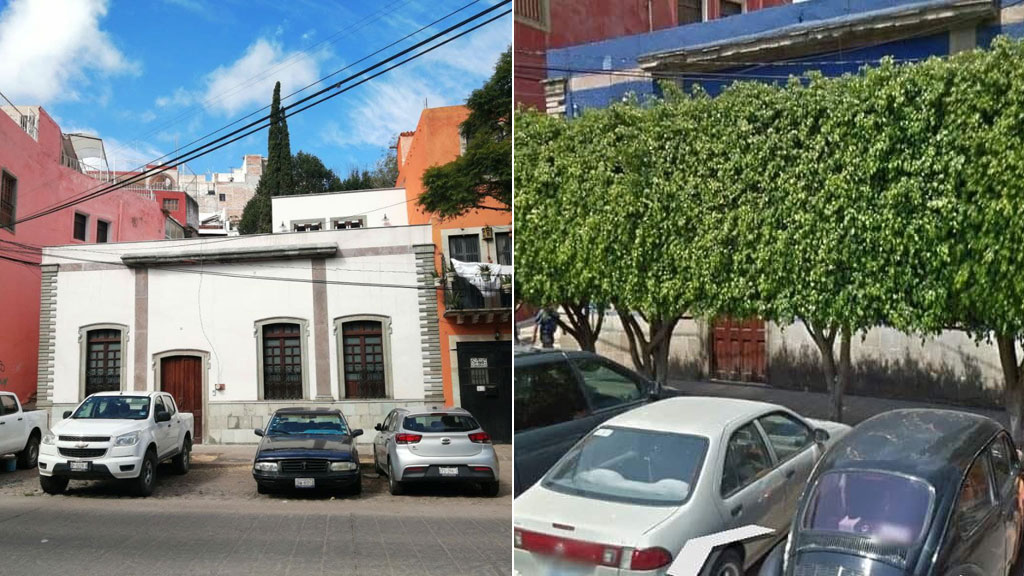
(439, 423)
(316, 424)
(630, 465)
(887, 508)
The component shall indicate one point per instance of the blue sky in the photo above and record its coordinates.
(145, 74)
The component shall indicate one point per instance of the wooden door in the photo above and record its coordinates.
(738, 350)
(182, 378)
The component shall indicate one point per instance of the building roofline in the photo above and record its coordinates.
(336, 192)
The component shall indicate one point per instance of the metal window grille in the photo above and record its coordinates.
(81, 221)
(363, 343)
(103, 361)
(282, 362)
(8, 197)
(465, 247)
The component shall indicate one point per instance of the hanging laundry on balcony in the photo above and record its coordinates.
(484, 276)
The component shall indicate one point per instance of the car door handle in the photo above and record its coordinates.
(737, 511)
(790, 474)
(20, 419)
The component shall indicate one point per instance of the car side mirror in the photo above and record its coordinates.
(821, 436)
(258, 432)
(163, 416)
(378, 427)
(67, 414)
(356, 432)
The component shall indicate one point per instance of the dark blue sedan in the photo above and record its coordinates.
(307, 448)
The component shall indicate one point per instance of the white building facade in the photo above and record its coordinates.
(339, 210)
(238, 327)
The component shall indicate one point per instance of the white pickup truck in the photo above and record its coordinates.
(116, 435)
(20, 431)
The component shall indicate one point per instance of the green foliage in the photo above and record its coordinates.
(481, 178)
(277, 179)
(892, 197)
(310, 176)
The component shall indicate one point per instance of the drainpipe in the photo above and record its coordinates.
(650, 16)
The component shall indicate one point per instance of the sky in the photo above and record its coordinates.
(148, 76)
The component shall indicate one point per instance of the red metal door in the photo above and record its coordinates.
(738, 350)
(182, 378)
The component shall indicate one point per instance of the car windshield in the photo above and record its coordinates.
(439, 423)
(629, 465)
(319, 424)
(887, 508)
(113, 408)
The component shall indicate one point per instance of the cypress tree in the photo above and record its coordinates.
(277, 177)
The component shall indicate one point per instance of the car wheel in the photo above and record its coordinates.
(394, 486)
(728, 564)
(29, 457)
(53, 484)
(490, 489)
(183, 460)
(147, 475)
(357, 488)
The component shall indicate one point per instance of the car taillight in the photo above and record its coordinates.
(578, 550)
(650, 559)
(403, 438)
(480, 438)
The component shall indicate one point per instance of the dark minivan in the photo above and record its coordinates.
(910, 493)
(562, 395)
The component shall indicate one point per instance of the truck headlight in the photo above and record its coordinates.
(48, 439)
(129, 439)
(343, 466)
(265, 466)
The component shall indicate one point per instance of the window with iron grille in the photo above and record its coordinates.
(363, 347)
(81, 226)
(222, 197)
(170, 204)
(8, 200)
(465, 247)
(688, 12)
(342, 224)
(103, 361)
(503, 246)
(102, 229)
(282, 362)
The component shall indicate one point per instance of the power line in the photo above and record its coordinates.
(196, 153)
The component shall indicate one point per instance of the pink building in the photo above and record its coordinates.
(40, 168)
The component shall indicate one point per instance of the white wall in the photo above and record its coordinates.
(371, 204)
(182, 306)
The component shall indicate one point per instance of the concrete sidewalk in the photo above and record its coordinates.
(816, 404)
(219, 455)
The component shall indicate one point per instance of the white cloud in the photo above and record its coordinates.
(248, 83)
(180, 97)
(38, 67)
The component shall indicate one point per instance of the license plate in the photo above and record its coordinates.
(79, 466)
(305, 482)
(568, 569)
(448, 470)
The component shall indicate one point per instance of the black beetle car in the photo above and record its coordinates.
(909, 493)
(307, 448)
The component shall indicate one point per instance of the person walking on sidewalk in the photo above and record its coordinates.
(547, 322)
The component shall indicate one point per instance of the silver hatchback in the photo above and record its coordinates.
(437, 446)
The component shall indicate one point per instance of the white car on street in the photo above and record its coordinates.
(626, 498)
(116, 435)
(20, 430)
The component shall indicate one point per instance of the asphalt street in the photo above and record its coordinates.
(212, 522)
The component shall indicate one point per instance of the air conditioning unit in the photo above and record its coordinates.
(487, 233)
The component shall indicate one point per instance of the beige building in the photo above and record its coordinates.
(226, 192)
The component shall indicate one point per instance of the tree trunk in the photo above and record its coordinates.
(650, 351)
(825, 340)
(1013, 384)
(843, 381)
(579, 326)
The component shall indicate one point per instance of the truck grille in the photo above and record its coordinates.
(84, 438)
(82, 452)
(304, 466)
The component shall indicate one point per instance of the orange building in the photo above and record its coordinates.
(475, 325)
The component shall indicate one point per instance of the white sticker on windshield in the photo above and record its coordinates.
(602, 432)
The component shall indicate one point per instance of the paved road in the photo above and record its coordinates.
(212, 521)
(46, 535)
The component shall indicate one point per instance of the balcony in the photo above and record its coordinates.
(468, 304)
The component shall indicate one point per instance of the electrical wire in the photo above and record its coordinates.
(198, 152)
